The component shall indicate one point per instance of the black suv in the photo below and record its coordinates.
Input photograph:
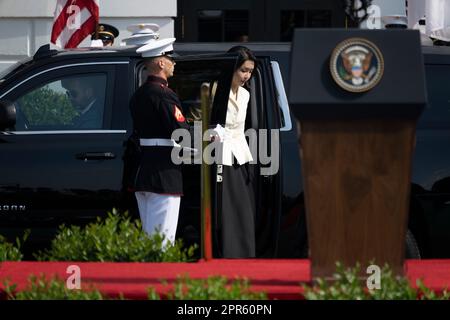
(430, 190)
(53, 173)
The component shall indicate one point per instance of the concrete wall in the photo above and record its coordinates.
(26, 25)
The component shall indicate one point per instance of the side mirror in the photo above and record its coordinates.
(7, 115)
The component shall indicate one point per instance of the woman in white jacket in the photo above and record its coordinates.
(236, 210)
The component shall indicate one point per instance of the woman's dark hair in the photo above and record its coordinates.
(244, 54)
(218, 113)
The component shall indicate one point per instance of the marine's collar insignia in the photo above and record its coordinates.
(356, 65)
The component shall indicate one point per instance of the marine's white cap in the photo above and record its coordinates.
(147, 28)
(395, 21)
(142, 33)
(138, 40)
(157, 48)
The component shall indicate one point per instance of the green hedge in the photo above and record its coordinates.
(41, 288)
(11, 252)
(117, 238)
(184, 288)
(45, 106)
(348, 285)
(212, 288)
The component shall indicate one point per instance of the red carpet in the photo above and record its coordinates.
(280, 279)
(434, 273)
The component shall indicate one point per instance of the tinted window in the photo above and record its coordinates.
(223, 25)
(189, 80)
(437, 113)
(291, 19)
(69, 103)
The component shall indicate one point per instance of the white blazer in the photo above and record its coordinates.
(234, 142)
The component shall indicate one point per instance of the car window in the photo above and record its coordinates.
(189, 80)
(437, 112)
(68, 103)
(189, 87)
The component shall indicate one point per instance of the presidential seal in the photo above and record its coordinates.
(356, 65)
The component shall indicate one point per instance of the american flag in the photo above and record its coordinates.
(74, 20)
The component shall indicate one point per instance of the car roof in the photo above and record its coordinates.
(205, 47)
(441, 50)
(436, 54)
(199, 48)
(280, 50)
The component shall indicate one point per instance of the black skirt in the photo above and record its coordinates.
(235, 219)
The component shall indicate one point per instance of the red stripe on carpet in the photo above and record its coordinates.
(280, 279)
(434, 273)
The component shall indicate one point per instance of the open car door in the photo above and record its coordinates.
(212, 72)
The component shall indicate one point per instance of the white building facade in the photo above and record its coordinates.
(26, 25)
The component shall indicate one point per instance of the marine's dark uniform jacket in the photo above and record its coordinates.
(156, 113)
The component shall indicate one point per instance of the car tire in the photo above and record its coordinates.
(411, 248)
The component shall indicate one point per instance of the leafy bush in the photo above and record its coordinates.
(40, 288)
(45, 106)
(116, 238)
(11, 252)
(212, 288)
(348, 285)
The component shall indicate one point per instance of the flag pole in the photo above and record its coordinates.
(206, 235)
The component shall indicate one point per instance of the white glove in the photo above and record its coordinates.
(187, 151)
(219, 132)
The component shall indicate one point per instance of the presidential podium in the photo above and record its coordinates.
(357, 95)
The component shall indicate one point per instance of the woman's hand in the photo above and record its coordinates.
(218, 133)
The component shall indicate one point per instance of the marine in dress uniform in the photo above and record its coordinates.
(156, 113)
(104, 35)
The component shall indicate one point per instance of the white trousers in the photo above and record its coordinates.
(159, 212)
